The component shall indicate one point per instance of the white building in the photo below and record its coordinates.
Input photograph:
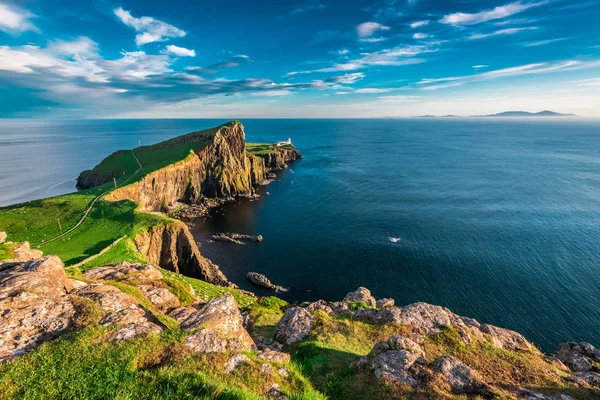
(279, 144)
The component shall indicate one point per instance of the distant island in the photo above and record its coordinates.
(513, 114)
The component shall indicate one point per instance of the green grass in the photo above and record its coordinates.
(260, 149)
(6, 251)
(106, 222)
(179, 289)
(36, 221)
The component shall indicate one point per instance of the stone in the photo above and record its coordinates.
(274, 356)
(121, 308)
(321, 306)
(394, 365)
(578, 357)
(76, 284)
(506, 339)
(361, 295)
(260, 280)
(180, 314)
(162, 299)
(396, 343)
(383, 303)
(234, 362)
(284, 372)
(124, 272)
(207, 341)
(589, 378)
(266, 369)
(295, 324)
(134, 330)
(531, 395)
(275, 392)
(265, 343)
(34, 305)
(3, 237)
(22, 252)
(462, 379)
(222, 316)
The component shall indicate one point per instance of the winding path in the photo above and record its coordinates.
(89, 209)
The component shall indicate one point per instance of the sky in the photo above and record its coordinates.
(297, 59)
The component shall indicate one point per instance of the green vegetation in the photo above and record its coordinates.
(6, 251)
(259, 149)
(107, 222)
(39, 220)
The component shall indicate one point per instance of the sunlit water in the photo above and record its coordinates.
(495, 219)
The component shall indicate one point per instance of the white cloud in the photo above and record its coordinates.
(420, 36)
(522, 70)
(272, 93)
(82, 46)
(372, 90)
(149, 29)
(481, 66)
(418, 24)
(367, 29)
(179, 51)
(15, 20)
(508, 31)
(343, 52)
(543, 42)
(587, 82)
(489, 15)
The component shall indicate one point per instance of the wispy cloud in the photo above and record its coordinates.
(501, 32)
(310, 6)
(543, 42)
(499, 12)
(372, 90)
(418, 24)
(481, 66)
(15, 20)
(149, 29)
(420, 36)
(367, 29)
(179, 51)
(522, 70)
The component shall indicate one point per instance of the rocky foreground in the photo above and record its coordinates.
(420, 348)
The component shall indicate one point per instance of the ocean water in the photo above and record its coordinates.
(496, 219)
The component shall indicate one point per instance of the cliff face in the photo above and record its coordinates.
(278, 159)
(223, 169)
(172, 247)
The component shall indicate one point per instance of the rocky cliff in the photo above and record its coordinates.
(222, 169)
(172, 247)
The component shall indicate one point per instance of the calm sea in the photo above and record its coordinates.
(495, 219)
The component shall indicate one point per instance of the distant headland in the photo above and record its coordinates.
(510, 114)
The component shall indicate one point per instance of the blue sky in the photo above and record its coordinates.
(329, 58)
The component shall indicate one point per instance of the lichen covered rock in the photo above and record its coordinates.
(295, 324)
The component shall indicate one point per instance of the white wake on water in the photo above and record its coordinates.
(394, 239)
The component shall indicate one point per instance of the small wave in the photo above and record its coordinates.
(281, 290)
(394, 239)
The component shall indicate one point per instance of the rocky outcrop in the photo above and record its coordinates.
(295, 324)
(22, 252)
(3, 236)
(172, 247)
(361, 295)
(34, 305)
(280, 156)
(260, 280)
(126, 272)
(462, 379)
(578, 357)
(220, 328)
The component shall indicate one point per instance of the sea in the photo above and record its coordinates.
(496, 219)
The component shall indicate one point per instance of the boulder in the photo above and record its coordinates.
(320, 305)
(587, 378)
(34, 305)
(221, 316)
(207, 341)
(124, 272)
(3, 236)
(383, 303)
(295, 324)
(266, 369)
(234, 362)
(361, 295)
(260, 280)
(121, 308)
(506, 339)
(462, 379)
(274, 356)
(265, 343)
(134, 330)
(393, 360)
(162, 299)
(180, 314)
(579, 357)
(22, 252)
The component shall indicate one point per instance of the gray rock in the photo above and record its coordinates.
(134, 330)
(124, 272)
(506, 339)
(210, 341)
(394, 365)
(274, 356)
(579, 357)
(383, 303)
(295, 324)
(234, 362)
(266, 369)
(361, 295)
(462, 378)
(260, 280)
(162, 299)
(588, 378)
(265, 343)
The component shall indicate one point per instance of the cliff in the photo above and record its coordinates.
(173, 248)
(221, 169)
